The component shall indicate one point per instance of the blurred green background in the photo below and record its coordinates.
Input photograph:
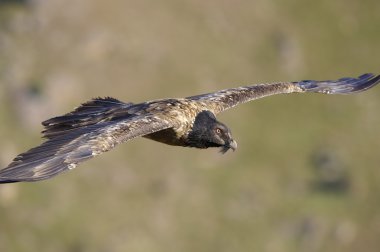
(306, 174)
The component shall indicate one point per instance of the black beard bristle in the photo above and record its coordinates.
(224, 149)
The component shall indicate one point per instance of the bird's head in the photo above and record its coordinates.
(208, 132)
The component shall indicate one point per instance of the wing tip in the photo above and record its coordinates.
(369, 80)
(345, 85)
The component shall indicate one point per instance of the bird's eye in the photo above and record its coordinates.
(218, 131)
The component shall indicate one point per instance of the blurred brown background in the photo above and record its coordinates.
(306, 174)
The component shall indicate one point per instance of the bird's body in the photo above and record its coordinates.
(99, 125)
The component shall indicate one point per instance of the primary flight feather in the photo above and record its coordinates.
(99, 125)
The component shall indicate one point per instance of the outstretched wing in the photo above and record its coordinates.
(228, 98)
(65, 151)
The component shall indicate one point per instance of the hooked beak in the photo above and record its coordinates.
(231, 145)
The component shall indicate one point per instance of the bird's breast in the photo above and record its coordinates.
(182, 114)
(167, 136)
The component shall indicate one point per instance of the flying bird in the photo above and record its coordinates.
(100, 124)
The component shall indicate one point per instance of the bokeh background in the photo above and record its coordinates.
(305, 177)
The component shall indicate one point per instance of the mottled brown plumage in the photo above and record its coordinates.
(99, 125)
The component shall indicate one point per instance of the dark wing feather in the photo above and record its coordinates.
(228, 98)
(89, 113)
(64, 152)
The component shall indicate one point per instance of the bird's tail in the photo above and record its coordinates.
(341, 86)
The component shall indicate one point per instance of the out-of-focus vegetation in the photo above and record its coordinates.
(305, 177)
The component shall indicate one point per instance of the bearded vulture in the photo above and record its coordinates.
(100, 124)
